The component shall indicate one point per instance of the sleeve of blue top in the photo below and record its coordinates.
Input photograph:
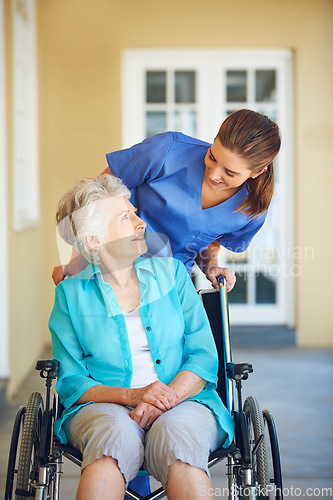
(199, 354)
(239, 240)
(73, 379)
(142, 162)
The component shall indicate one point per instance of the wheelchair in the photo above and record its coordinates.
(253, 459)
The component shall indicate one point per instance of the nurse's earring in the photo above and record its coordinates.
(263, 170)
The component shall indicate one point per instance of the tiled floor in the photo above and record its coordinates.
(295, 384)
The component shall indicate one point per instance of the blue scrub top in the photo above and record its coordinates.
(165, 175)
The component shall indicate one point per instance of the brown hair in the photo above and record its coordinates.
(257, 139)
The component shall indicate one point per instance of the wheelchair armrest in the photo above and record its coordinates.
(49, 368)
(239, 371)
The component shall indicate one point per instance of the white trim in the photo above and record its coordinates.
(26, 210)
(4, 303)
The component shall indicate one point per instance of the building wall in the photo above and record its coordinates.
(26, 254)
(80, 43)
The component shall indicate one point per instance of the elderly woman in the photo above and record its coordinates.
(138, 364)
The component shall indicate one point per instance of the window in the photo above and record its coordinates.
(193, 91)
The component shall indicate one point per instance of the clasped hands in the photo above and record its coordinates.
(150, 402)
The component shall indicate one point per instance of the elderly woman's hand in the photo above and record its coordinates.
(145, 415)
(157, 394)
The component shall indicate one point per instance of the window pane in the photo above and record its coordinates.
(239, 294)
(185, 121)
(265, 251)
(272, 114)
(236, 86)
(266, 86)
(155, 122)
(185, 86)
(156, 86)
(265, 289)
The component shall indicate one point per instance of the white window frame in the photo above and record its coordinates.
(4, 303)
(211, 106)
(25, 116)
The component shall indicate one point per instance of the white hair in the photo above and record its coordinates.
(77, 215)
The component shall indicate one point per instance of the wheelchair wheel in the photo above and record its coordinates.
(28, 466)
(256, 438)
(11, 469)
(273, 457)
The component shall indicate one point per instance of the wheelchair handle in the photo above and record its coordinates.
(221, 280)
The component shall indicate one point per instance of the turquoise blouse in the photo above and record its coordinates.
(90, 339)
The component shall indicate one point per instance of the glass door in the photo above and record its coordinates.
(257, 270)
(193, 91)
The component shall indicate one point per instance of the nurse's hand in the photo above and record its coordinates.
(212, 272)
(74, 266)
(58, 274)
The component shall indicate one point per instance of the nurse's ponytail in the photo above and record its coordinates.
(257, 139)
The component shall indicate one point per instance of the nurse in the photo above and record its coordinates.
(197, 195)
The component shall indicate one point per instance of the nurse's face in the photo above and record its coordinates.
(125, 236)
(225, 169)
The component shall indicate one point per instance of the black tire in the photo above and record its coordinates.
(273, 457)
(11, 469)
(28, 467)
(255, 425)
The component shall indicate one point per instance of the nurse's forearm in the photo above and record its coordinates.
(187, 384)
(106, 171)
(208, 257)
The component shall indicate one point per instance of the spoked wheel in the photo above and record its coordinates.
(256, 436)
(273, 457)
(28, 466)
(12, 469)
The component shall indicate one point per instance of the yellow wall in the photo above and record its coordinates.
(26, 255)
(80, 43)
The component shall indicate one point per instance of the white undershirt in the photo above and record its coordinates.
(144, 371)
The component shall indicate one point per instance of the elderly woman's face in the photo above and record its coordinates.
(125, 236)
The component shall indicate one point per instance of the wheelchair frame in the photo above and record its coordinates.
(253, 459)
